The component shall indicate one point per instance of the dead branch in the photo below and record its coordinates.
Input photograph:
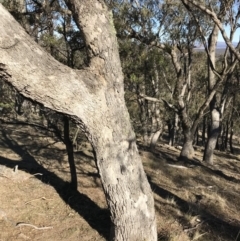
(33, 226)
(40, 198)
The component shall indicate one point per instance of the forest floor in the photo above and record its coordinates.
(193, 201)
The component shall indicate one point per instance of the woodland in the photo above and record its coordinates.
(140, 93)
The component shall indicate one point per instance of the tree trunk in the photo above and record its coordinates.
(74, 142)
(204, 131)
(187, 152)
(170, 132)
(223, 136)
(215, 113)
(156, 125)
(154, 139)
(69, 147)
(226, 136)
(173, 130)
(89, 97)
(196, 137)
(231, 138)
(213, 136)
(142, 103)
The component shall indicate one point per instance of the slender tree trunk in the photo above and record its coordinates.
(142, 103)
(215, 112)
(170, 124)
(156, 127)
(94, 98)
(222, 137)
(173, 130)
(69, 147)
(182, 88)
(226, 136)
(196, 137)
(176, 129)
(214, 132)
(154, 139)
(74, 142)
(231, 138)
(204, 132)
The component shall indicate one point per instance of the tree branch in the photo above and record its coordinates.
(216, 20)
(41, 78)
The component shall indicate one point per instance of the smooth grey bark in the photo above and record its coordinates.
(213, 135)
(187, 152)
(218, 103)
(173, 130)
(94, 98)
(214, 108)
(156, 122)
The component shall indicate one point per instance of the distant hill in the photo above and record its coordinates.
(221, 46)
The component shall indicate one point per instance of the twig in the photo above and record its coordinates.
(177, 166)
(33, 226)
(36, 174)
(33, 175)
(43, 198)
(190, 229)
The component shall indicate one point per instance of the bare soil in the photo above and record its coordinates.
(193, 201)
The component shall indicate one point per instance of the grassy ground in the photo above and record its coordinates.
(193, 201)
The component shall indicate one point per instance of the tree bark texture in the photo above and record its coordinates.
(94, 98)
(156, 122)
(213, 137)
(187, 152)
(215, 112)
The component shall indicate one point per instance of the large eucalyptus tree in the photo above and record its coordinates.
(94, 98)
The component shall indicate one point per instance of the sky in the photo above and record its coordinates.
(227, 29)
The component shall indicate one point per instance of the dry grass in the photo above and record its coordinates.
(197, 202)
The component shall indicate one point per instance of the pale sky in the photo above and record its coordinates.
(235, 38)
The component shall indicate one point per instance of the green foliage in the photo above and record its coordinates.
(49, 40)
(7, 105)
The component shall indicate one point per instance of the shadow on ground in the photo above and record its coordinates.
(215, 224)
(97, 218)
